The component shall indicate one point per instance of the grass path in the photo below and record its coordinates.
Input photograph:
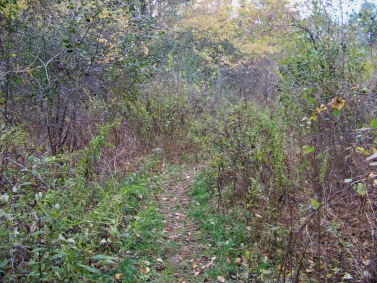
(192, 247)
(157, 224)
(181, 235)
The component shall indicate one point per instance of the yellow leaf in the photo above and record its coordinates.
(337, 103)
(118, 276)
(313, 118)
(321, 108)
(104, 14)
(361, 150)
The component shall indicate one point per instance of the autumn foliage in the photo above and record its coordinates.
(278, 102)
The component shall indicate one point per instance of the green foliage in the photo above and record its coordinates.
(62, 67)
(223, 237)
(307, 149)
(225, 51)
(75, 221)
(246, 149)
(373, 123)
(162, 120)
(320, 63)
(366, 21)
(321, 79)
(290, 183)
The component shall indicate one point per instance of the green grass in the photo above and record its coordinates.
(222, 236)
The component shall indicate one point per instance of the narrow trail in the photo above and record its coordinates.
(182, 249)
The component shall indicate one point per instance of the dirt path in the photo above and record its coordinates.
(183, 251)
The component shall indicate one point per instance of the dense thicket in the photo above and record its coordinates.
(279, 101)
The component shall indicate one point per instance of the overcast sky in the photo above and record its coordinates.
(345, 7)
(339, 7)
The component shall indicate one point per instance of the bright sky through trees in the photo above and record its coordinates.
(338, 7)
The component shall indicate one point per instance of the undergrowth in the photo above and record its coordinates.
(281, 107)
(70, 225)
(302, 222)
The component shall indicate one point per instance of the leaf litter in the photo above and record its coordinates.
(183, 251)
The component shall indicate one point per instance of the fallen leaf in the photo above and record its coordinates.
(238, 261)
(373, 175)
(4, 198)
(33, 227)
(118, 276)
(313, 118)
(138, 267)
(228, 260)
(360, 188)
(147, 263)
(321, 108)
(347, 276)
(196, 273)
(209, 263)
(337, 103)
(220, 279)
